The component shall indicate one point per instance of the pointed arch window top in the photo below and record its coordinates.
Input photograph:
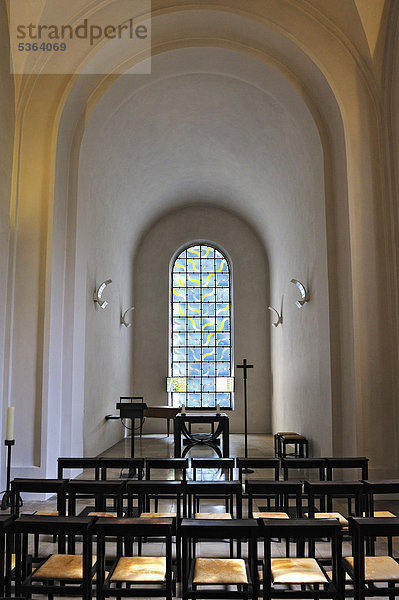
(201, 328)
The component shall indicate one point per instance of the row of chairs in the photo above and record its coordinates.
(128, 569)
(132, 497)
(324, 468)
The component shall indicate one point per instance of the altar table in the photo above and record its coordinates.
(221, 420)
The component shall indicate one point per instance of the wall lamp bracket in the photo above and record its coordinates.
(97, 296)
(305, 294)
(278, 315)
(123, 317)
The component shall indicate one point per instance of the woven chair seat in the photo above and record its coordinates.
(330, 515)
(167, 515)
(296, 571)
(140, 568)
(220, 571)
(95, 513)
(377, 568)
(62, 567)
(270, 515)
(212, 515)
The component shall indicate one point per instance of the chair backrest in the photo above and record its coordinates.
(80, 463)
(100, 491)
(6, 539)
(141, 492)
(225, 466)
(383, 486)
(331, 490)
(133, 465)
(304, 465)
(360, 463)
(272, 465)
(22, 485)
(178, 465)
(279, 491)
(214, 490)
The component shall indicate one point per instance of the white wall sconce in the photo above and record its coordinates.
(98, 293)
(305, 294)
(278, 315)
(123, 317)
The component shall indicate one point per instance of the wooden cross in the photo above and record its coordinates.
(245, 367)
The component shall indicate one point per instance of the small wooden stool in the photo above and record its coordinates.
(277, 441)
(300, 443)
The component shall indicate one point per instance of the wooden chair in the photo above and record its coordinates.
(271, 465)
(7, 558)
(277, 441)
(358, 463)
(277, 495)
(178, 465)
(225, 467)
(133, 574)
(213, 576)
(367, 571)
(211, 491)
(381, 487)
(100, 492)
(303, 464)
(78, 463)
(301, 576)
(332, 490)
(134, 466)
(61, 574)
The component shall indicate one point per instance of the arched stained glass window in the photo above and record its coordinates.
(200, 345)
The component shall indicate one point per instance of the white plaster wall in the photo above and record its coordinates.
(237, 137)
(250, 295)
(6, 153)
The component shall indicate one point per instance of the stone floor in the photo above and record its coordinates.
(159, 445)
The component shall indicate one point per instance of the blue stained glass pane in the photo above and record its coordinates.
(179, 324)
(222, 279)
(194, 369)
(223, 369)
(182, 255)
(208, 354)
(222, 353)
(194, 309)
(209, 295)
(222, 324)
(179, 309)
(208, 400)
(208, 325)
(218, 254)
(180, 266)
(208, 385)
(193, 295)
(179, 280)
(207, 252)
(223, 399)
(178, 398)
(194, 339)
(207, 265)
(179, 369)
(179, 294)
(222, 309)
(208, 339)
(194, 324)
(208, 280)
(194, 400)
(179, 339)
(194, 354)
(194, 251)
(222, 294)
(221, 265)
(193, 385)
(193, 265)
(193, 280)
(208, 369)
(208, 310)
(179, 354)
(222, 339)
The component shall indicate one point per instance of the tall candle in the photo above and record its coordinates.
(183, 409)
(218, 408)
(10, 423)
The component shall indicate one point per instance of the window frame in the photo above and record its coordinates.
(226, 256)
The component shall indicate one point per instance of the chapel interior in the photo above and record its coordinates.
(266, 130)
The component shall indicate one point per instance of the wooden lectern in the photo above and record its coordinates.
(131, 410)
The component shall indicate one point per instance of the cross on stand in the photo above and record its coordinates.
(245, 367)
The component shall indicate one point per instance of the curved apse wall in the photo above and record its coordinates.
(217, 129)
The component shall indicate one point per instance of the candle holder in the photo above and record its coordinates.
(6, 501)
